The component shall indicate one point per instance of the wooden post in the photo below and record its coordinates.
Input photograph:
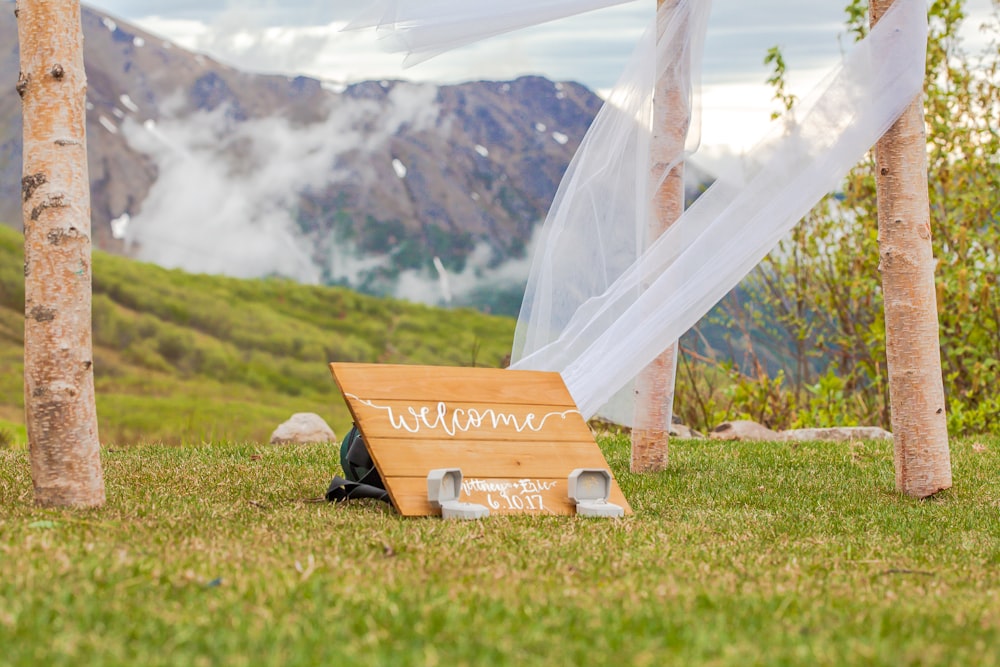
(654, 389)
(913, 351)
(58, 362)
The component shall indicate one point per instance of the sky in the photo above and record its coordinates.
(304, 37)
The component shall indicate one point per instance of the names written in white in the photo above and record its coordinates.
(521, 495)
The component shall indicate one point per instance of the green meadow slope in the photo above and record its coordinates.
(183, 358)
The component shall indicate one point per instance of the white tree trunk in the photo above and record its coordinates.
(58, 363)
(654, 389)
(913, 351)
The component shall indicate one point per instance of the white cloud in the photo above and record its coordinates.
(304, 37)
(428, 286)
(234, 189)
(184, 32)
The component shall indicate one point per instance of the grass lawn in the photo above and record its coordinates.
(740, 554)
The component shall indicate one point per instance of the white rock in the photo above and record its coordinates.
(303, 427)
(685, 432)
(743, 429)
(837, 433)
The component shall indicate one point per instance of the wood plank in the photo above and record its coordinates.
(538, 496)
(403, 458)
(497, 386)
(434, 420)
(516, 435)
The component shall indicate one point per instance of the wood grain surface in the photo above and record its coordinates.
(516, 435)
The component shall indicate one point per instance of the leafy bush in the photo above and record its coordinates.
(820, 290)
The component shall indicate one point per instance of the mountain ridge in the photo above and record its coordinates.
(389, 187)
(388, 173)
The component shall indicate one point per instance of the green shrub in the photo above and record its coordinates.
(820, 291)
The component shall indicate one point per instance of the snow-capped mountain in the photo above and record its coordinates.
(422, 191)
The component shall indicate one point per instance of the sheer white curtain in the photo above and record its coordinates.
(426, 28)
(598, 311)
(598, 224)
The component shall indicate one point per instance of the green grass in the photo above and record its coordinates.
(740, 554)
(12, 434)
(182, 358)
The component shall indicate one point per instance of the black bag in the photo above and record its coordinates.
(362, 480)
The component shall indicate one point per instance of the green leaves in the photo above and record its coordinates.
(777, 81)
(820, 293)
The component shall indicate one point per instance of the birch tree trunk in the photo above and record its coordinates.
(654, 388)
(916, 388)
(58, 364)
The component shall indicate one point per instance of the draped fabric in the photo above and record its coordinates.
(598, 307)
(426, 28)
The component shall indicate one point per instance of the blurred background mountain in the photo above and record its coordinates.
(424, 192)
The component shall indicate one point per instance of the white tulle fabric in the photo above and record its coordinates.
(426, 28)
(598, 308)
(598, 224)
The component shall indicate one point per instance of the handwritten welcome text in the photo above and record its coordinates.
(460, 420)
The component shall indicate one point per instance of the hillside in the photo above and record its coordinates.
(190, 358)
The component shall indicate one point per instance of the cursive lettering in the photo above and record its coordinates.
(522, 494)
(459, 420)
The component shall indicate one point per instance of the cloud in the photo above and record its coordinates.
(301, 37)
(304, 38)
(203, 215)
(481, 274)
(225, 195)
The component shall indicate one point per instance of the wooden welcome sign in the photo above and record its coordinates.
(516, 435)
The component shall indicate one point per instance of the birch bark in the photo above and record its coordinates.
(654, 388)
(906, 262)
(59, 400)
